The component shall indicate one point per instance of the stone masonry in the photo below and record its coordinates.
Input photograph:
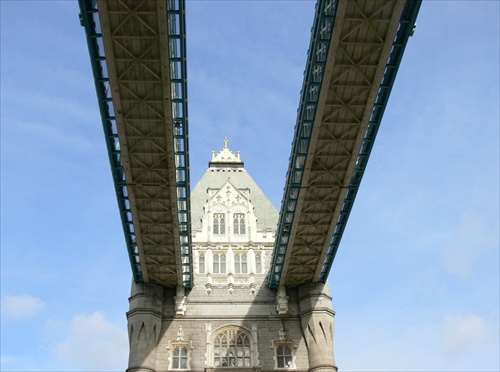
(230, 320)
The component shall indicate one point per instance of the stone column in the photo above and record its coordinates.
(317, 323)
(144, 326)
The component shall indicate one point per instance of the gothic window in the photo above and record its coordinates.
(232, 349)
(258, 264)
(239, 223)
(219, 223)
(180, 356)
(240, 263)
(219, 263)
(201, 267)
(284, 354)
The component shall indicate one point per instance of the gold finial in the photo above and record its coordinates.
(225, 142)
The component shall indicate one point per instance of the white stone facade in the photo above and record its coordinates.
(230, 320)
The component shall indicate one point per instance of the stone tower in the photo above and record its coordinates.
(230, 320)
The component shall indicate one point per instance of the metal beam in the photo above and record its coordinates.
(342, 103)
(142, 48)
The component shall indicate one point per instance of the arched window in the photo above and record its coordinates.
(239, 223)
(240, 263)
(219, 223)
(219, 263)
(232, 348)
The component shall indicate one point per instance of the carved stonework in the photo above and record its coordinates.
(255, 346)
(228, 198)
(180, 301)
(208, 328)
(281, 301)
(282, 332)
(226, 155)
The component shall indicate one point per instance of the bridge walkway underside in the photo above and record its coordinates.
(343, 97)
(144, 69)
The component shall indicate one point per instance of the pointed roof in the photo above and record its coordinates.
(228, 167)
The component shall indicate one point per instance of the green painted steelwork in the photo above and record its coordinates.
(89, 18)
(178, 84)
(303, 129)
(313, 77)
(178, 79)
(405, 30)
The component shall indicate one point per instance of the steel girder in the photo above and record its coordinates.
(356, 48)
(138, 57)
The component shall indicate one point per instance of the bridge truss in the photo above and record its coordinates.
(355, 51)
(138, 56)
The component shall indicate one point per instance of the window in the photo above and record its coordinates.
(258, 264)
(179, 355)
(219, 223)
(239, 223)
(232, 348)
(284, 351)
(240, 264)
(219, 263)
(201, 267)
(284, 355)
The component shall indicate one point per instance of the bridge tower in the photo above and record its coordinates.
(231, 320)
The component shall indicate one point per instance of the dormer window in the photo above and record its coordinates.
(239, 223)
(240, 264)
(219, 223)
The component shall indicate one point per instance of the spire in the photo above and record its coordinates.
(225, 157)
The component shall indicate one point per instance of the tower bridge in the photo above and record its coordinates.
(220, 271)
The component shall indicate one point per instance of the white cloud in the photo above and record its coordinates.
(416, 341)
(19, 307)
(463, 331)
(94, 343)
(473, 238)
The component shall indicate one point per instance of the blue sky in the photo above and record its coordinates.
(416, 279)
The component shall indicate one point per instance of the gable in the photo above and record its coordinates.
(215, 179)
(228, 198)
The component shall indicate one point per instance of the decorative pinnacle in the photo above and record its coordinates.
(226, 155)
